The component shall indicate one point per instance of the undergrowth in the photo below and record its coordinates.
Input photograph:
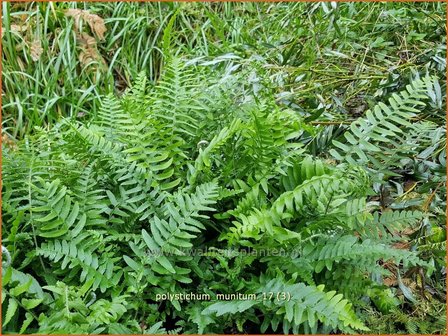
(285, 163)
(184, 187)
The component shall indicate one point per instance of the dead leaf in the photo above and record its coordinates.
(95, 22)
(9, 142)
(97, 25)
(36, 50)
(390, 281)
(76, 14)
(89, 54)
(86, 41)
(17, 28)
(402, 245)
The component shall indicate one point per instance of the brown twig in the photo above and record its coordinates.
(431, 196)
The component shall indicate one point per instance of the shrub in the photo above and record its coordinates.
(108, 213)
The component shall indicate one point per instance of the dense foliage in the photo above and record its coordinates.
(226, 174)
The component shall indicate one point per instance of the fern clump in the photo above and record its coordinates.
(147, 198)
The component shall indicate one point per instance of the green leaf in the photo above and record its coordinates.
(166, 40)
(54, 234)
(405, 290)
(163, 261)
(131, 263)
(10, 311)
(28, 319)
(31, 303)
(7, 276)
(22, 288)
(112, 198)
(149, 241)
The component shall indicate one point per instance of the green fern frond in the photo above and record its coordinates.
(97, 142)
(177, 99)
(320, 192)
(108, 311)
(310, 304)
(301, 171)
(110, 115)
(298, 304)
(99, 270)
(91, 199)
(387, 224)
(328, 251)
(55, 211)
(372, 135)
(135, 98)
(203, 161)
(174, 234)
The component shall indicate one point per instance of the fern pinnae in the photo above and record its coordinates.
(378, 128)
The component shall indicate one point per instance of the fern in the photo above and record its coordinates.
(21, 293)
(55, 210)
(388, 223)
(203, 160)
(177, 99)
(369, 139)
(328, 251)
(300, 306)
(79, 256)
(319, 192)
(172, 235)
(170, 189)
